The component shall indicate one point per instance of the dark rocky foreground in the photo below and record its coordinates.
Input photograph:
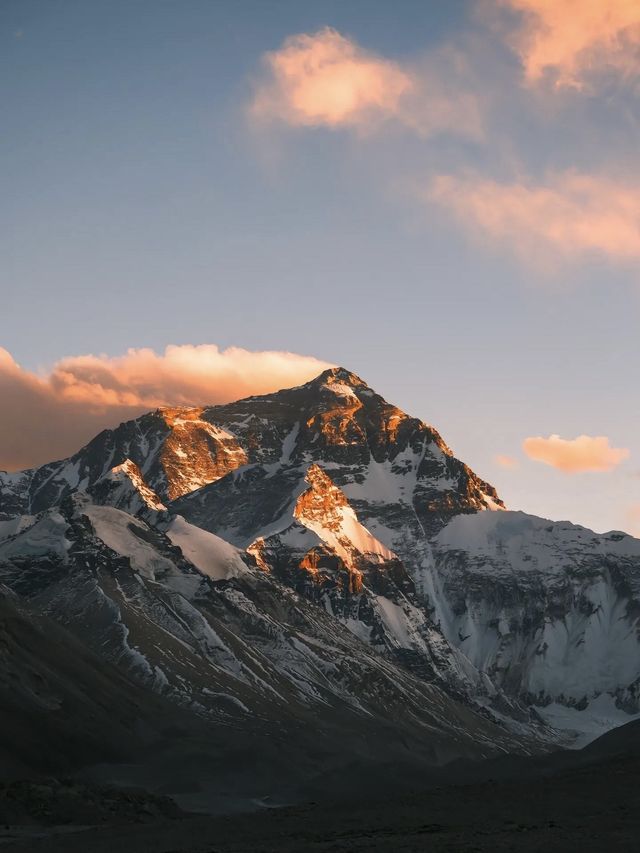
(52, 804)
(587, 801)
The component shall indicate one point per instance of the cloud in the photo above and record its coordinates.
(633, 519)
(325, 79)
(505, 461)
(568, 41)
(46, 417)
(573, 456)
(569, 215)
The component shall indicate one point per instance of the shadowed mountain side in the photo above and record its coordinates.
(66, 712)
(62, 707)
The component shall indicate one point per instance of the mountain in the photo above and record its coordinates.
(318, 554)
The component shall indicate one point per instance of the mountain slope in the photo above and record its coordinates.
(225, 640)
(62, 707)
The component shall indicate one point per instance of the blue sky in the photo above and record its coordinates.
(142, 206)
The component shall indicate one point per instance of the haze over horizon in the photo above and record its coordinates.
(442, 198)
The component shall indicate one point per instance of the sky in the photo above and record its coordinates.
(206, 199)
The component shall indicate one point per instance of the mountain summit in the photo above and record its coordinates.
(334, 417)
(336, 374)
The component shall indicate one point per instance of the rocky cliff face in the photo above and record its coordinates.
(343, 501)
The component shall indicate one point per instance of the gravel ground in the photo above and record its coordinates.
(593, 809)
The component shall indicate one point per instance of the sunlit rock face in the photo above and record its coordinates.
(341, 498)
(125, 488)
(195, 452)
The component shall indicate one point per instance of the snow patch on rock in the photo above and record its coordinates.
(210, 554)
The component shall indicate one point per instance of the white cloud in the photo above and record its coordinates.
(573, 456)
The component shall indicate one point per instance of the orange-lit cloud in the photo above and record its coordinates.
(506, 461)
(567, 216)
(573, 456)
(633, 519)
(570, 40)
(325, 79)
(48, 417)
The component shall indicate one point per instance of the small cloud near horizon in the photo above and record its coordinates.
(49, 416)
(633, 519)
(577, 455)
(506, 461)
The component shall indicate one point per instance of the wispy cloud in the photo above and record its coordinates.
(573, 456)
(325, 79)
(570, 41)
(505, 461)
(49, 416)
(467, 87)
(564, 217)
